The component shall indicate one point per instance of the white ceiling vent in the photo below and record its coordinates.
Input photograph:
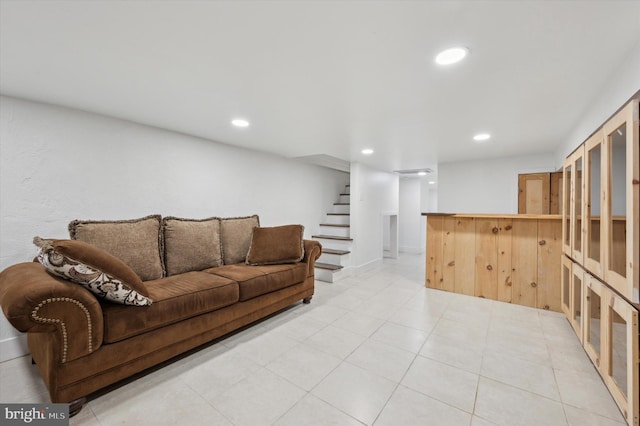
(416, 172)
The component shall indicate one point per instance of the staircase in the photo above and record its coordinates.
(336, 241)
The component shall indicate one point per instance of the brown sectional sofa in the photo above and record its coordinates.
(83, 343)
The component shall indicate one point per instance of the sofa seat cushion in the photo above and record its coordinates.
(255, 281)
(174, 299)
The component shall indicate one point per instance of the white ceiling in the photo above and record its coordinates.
(326, 79)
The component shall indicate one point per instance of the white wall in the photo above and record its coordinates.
(58, 164)
(486, 186)
(622, 84)
(373, 194)
(411, 236)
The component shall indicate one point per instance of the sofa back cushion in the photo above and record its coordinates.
(191, 244)
(136, 242)
(276, 245)
(236, 235)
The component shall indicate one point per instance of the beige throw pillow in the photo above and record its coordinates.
(136, 242)
(236, 235)
(191, 244)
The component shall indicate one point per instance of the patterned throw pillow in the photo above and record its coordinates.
(101, 273)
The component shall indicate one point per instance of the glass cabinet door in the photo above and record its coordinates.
(622, 200)
(576, 318)
(594, 324)
(577, 213)
(620, 370)
(566, 207)
(592, 205)
(565, 283)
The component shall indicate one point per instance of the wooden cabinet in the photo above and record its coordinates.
(600, 271)
(600, 212)
(539, 193)
(510, 258)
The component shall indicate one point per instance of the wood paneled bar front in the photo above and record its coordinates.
(512, 258)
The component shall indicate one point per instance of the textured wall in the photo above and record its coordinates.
(58, 164)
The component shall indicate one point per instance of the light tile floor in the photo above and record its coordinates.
(378, 349)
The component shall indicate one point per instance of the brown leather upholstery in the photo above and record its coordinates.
(258, 280)
(174, 299)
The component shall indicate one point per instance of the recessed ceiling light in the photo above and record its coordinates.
(481, 137)
(451, 56)
(239, 122)
(367, 151)
(432, 182)
(422, 173)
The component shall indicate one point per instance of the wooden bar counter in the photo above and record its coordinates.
(512, 258)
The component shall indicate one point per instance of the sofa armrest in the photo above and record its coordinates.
(312, 251)
(35, 301)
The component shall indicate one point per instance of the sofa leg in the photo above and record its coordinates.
(33, 361)
(76, 406)
(307, 300)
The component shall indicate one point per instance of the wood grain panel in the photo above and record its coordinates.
(448, 253)
(465, 254)
(434, 251)
(487, 258)
(549, 265)
(525, 261)
(505, 270)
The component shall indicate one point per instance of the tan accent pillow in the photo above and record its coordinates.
(191, 244)
(236, 234)
(136, 242)
(104, 275)
(278, 244)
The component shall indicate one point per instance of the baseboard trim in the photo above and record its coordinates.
(367, 266)
(13, 347)
(412, 250)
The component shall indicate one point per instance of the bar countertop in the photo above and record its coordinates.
(498, 216)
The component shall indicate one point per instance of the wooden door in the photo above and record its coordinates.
(534, 193)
